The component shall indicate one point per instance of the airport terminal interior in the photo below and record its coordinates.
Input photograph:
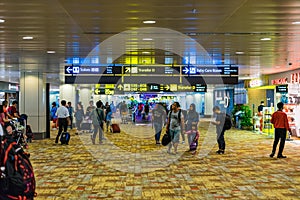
(241, 56)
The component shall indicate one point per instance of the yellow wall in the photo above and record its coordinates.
(255, 96)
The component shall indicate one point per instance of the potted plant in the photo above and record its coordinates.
(246, 117)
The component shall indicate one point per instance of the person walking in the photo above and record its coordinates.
(53, 116)
(281, 125)
(192, 120)
(219, 122)
(71, 110)
(79, 115)
(175, 126)
(158, 119)
(63, 119)
(98, 118)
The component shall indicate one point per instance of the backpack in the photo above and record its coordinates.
(179, 115)
(17, 179)
(227, 122)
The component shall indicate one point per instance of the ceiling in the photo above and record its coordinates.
(73, 28)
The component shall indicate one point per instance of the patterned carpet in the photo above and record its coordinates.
(128, 165)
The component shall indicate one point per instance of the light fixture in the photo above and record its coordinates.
(145, 52)
(239, 52)
(2, 20)
(147, 39)
(27, 38)
(265, 39)
(50, 52)
(296, 22)
(149, 21)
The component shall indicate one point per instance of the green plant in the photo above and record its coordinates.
(246, 116)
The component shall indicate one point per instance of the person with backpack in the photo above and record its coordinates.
(175, 126)
(97, 116)
(219, 122)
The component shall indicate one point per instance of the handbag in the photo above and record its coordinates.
(193, 146)
(166, 139)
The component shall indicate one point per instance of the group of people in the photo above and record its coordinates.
(178, 124)
(98, 115)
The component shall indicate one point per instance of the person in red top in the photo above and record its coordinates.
(281, 125)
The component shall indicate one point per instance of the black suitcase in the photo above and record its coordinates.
(65, 138)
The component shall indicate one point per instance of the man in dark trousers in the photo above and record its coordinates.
(63, 119)
(219, 122)
(281, 125)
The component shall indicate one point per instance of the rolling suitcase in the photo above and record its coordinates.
(65, 138)
(115, 128)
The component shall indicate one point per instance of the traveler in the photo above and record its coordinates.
(158, 120)
(281, 125)
(12, 110)
(192, 119)
(63, 119)
(53, 116)
(98, 118)
(219, 122)
(79, 115)
(175, 126)
(71, 110)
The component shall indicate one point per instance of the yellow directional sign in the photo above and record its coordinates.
(98, 91)
(109, 92)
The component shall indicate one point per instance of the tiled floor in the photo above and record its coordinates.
(130, 166)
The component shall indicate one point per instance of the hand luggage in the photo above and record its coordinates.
(115, 128)
(86, 126)
(65, 138)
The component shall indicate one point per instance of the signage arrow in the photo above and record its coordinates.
(167, 87)
(69, 69)
(127, 69)
(97, 91)
(120, 87)
(186, 70)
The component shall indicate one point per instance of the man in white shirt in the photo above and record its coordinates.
(62, 114)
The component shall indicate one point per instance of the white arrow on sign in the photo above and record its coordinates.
(186, 70)
(69, 69)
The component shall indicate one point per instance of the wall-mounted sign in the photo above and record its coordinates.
(210, 70)
(279, 81)
(255, 83)
(295, 77)
(281, 88)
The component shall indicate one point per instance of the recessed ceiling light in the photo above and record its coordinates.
(147, 39)
(145, 52)
(9, 66)
(2, 20)
(297, 22)
(149, 21)
(239, 52)
(50, 52)
(27, 38)
(265, 39)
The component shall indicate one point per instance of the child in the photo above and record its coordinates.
(193, 136)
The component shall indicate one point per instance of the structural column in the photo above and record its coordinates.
(32, 101)
(67, 92)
